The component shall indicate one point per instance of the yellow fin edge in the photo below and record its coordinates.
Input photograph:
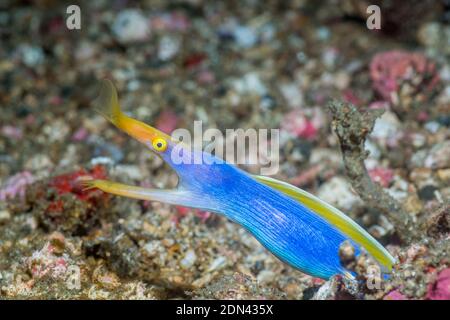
(336, 217)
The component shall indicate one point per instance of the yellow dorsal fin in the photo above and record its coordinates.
(107, 103)
(335, 217)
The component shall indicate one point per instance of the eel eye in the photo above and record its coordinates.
(159, 144)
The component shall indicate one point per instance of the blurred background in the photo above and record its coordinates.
(231, 64)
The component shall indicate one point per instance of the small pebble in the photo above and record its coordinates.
(266, 276)
(31, 55)
(217, 264)
(439, 156)
(5, 216)
(131, 26)
(427, 193)
(168, 47)
(338, 192)
(189, 259)
(250, 83)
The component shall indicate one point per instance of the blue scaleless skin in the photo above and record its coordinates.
(297, 227)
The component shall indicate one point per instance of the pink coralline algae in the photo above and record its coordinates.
(203, 215)
(376, 105)
(307, 176)
(392, 70)
(173, 21)
(49, 261)
(16, 186)
(303, 123)
(349, 96)
(167, 121)
(440, 289)
(80, 135)
(395, 295)
(383, 176)
(12, 132)
(205, 77)
(183, 211)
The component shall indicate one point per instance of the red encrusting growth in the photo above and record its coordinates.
(194, 60)
(70, 183)
(62, 204)
(56, 206)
